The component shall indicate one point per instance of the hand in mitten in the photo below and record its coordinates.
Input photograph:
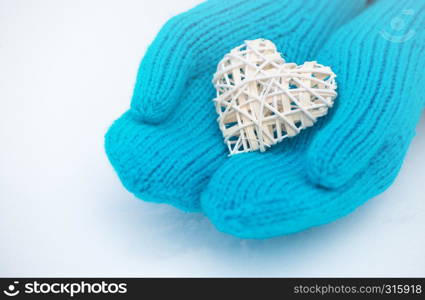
(349, 156)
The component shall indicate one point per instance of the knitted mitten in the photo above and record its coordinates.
(166, 147)
(351, 155)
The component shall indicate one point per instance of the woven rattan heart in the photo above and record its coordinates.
(262, 100)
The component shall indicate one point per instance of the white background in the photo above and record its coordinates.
(67, 70)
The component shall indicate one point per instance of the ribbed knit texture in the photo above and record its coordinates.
(168, 145)
(353, 154)
(193, 43)
(380, 82)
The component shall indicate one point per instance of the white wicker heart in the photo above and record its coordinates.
(262, 100)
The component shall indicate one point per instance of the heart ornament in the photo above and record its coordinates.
(261, 99)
